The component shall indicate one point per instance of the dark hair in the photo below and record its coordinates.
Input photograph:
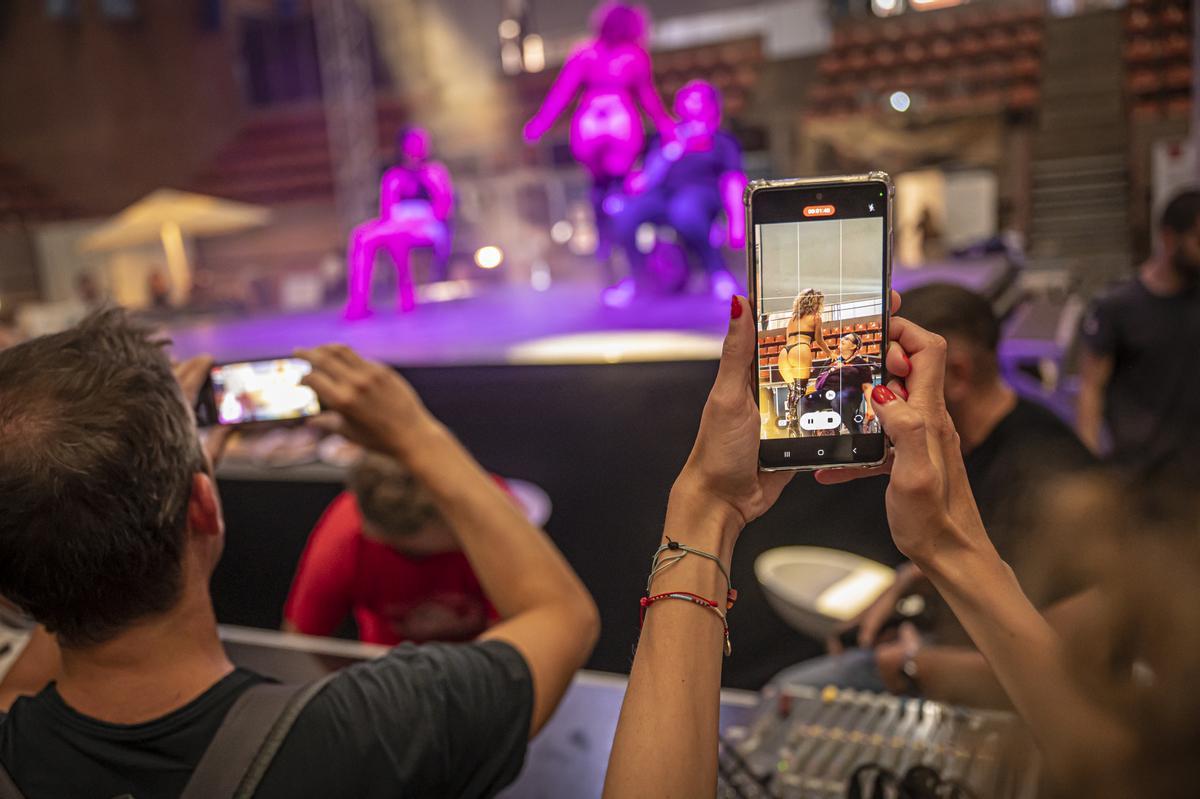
(950, 310)
(97, 454)
(1181, 212)
(620, 23)
(390, 498)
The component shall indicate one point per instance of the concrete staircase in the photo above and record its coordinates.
(1080, 220)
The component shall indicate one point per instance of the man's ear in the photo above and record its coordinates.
(204, 508)
(960, 372)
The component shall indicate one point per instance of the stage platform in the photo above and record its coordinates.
(461, 325)
(464, 324)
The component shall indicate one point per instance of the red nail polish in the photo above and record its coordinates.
(907, 362)
(902, 391)
(882, 395)
(735, 309)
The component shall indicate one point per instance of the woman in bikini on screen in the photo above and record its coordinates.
(795, 363)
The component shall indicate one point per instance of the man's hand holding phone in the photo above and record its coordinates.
(192, 375)
(377, 408)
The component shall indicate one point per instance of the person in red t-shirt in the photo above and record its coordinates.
(383, 552)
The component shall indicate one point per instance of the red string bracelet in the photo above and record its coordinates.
(695, 599)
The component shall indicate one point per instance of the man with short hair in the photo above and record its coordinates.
(383, 553)
(111, 530)
(1138, 374)
(1011, 446)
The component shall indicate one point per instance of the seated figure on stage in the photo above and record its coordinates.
(845, 387)
(613, 76)
(686, 182)
(415, 200)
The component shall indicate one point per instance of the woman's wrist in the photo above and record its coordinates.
(705, 519)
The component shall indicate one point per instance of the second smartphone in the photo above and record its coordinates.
(820, 258)
(252, 392)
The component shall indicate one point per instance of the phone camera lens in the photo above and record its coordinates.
(820, 196)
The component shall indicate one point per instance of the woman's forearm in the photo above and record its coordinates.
(1028, 659)
(666, 742)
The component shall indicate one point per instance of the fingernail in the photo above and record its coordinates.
(907, 362)
(902, 391)
(882, 395)
(735, 309)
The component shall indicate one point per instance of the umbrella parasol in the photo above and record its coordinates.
(167, 215)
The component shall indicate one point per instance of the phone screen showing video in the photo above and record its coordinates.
(262, 391)
(821, 292)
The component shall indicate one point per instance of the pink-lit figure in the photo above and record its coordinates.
(612, 76)
(415, 200)
(685, 184)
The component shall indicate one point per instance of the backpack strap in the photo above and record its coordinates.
(8, 788)
(240, 753)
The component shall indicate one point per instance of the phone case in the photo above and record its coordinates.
(756, 186)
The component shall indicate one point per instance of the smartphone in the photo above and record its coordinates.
(820, 263)
(248, 392)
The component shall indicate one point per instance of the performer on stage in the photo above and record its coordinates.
(613, 76)
(850, 379)
(686, 182)
(415, 200)
(795, 362)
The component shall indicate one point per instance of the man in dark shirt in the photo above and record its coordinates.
(1011, 447)
(112, 528)
(1138, 373)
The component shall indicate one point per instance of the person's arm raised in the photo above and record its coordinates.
(666, 740)
(565, 87)
(546, 612)
(934, 521)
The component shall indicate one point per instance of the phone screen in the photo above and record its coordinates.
(262, 391)
(821, 284)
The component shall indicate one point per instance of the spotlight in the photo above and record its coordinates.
(900, 101)
(885, 8)
(561, 231)
(489, 257)
(510, 29)
(510, 58)
(646, 238)
(539, 276)
(535, 53)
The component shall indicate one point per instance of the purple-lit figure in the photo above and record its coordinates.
(612, 76)
(415, 200)
(685, 184)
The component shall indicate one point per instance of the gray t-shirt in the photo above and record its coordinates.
(422, 721)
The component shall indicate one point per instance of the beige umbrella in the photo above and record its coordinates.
(167, 216)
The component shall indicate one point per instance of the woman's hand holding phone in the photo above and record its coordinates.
(721, 479)
(931, 510)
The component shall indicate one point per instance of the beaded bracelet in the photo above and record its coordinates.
(695, 599)
(679, 552)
